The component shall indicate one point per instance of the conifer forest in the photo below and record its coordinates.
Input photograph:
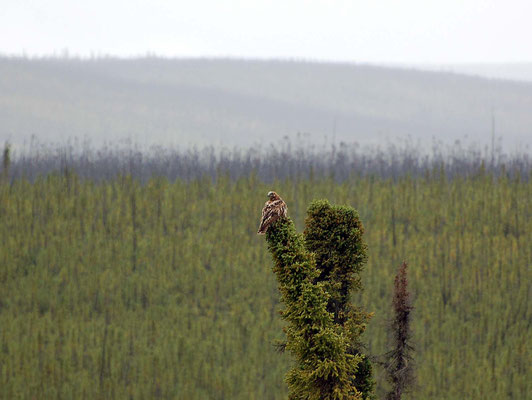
(129, 276)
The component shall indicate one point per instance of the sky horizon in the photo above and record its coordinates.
(380, 32)
(66, 54)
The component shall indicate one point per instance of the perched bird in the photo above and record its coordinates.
(274, 209)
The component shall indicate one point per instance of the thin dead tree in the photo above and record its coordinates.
(399, 361)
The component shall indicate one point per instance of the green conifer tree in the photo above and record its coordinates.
(324, 366)
(334, 234)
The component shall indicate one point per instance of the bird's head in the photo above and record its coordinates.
(273, 196)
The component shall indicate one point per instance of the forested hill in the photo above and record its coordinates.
(237, 102)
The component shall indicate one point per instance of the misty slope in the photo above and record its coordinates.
(511, 71)
(236, 102)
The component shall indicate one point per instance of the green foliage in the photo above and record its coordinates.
(197, 316)
(334, 235)
(323, 366)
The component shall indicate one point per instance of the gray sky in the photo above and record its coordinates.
(406, 31)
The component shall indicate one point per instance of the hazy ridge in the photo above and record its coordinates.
(509, 71)
(243, 102)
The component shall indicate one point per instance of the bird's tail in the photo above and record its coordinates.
(262, 228)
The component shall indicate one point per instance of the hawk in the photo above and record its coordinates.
(274, 209)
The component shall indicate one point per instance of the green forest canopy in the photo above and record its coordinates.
(163, 289)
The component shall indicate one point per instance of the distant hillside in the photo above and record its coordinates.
(236, 102)
(509, 71)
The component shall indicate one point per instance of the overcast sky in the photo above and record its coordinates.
(398, 31)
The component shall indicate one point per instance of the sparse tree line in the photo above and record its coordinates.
(286, 160)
